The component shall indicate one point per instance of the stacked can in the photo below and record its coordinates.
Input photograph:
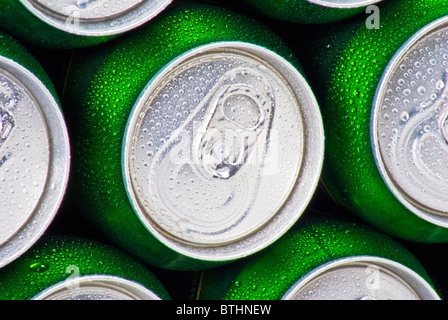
(198, 140)
(34, 150)
(72, 268)
(73, 24)
(323, 258)
(383, 99)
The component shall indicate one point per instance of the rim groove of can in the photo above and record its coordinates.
(344, 4)
(295, 201)
(97, 287)
(71, 19)
(39, 118)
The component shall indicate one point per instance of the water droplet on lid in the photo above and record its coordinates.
(404, 116)
(421, 90)
(82, 3)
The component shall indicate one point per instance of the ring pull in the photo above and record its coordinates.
(235, 124)
(7, 121)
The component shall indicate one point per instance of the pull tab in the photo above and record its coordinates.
(234, 124)
(7, 122)
(442, 97)
(206, 182)
(421, 121)
(443, 123)
(423, 132)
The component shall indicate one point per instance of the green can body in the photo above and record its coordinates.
(10, 48)
(104, 84)
(315, 241)
(301, 11)
(59, 258)
(348, 63)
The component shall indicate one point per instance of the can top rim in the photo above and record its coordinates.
(50, 196)
(97, 287)
(309, 173)
(345, 4)
(399, 276)
(70, 18)
(430, 210)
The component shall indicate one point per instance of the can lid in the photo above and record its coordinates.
(34, 159)
(97, 287)
(362, 278)
(223, 150)
(95, 17)
(344, 4)
(410, 123)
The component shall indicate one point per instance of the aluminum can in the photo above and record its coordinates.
(75, 23)
(382, 96)
(323, 257)
(304, 11)
(63, 267)
(198, 141)
(34, 150)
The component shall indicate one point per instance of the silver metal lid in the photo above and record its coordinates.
(97, 287)
(362, 278)
(95, 17)
(410, 124)
(344, 3)
(34, 159)
(223, 150)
